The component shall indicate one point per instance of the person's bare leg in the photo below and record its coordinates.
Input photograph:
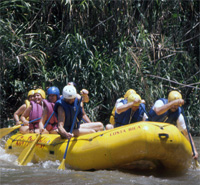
(37, 131)
(97, 126)
(53, 131)
(109, 126)
(82, 131)
(24, 129)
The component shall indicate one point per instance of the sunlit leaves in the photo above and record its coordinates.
(104, 46)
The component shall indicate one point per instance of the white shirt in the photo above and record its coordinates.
(180, 121)
(118, 103)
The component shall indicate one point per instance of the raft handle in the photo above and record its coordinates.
(51, 152)
(163, 136)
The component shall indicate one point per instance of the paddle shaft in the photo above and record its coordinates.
(6, 131)
(196, 161)
(27, 154)
(48, 119)
(186, 123)
(32, 121)
(146, 113)
(40, 118)
(72, 127)
(84, 120)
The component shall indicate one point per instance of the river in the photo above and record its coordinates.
(47, 173)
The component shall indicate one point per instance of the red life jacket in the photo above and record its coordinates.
(36, 112)
(50, 107)
(52, 125)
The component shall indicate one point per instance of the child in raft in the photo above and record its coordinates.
(53, 94)
(23, 107)
(32, 112)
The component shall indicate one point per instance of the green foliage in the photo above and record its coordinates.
(106, 47)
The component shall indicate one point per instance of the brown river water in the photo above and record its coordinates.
(47, 173)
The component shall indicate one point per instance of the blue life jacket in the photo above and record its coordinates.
(167, 117)
(124, 117)
(70, 110)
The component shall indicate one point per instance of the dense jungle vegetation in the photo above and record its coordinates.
(105, 46)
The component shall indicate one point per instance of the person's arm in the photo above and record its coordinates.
(182, 127)
(122, 108)
(145, 117)
(84, 94)
(19, 112)
(164, 108)
(43, 119)
(61, 122)
(195, 150)
(85, 117)
(25, 115)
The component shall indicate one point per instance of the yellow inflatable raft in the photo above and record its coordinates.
(143, 145)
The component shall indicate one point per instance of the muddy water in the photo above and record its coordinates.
(47, 173)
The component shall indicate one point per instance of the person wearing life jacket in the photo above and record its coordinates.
(65, 110)
(130, 111)
(33, 111)
(169, 111)
(87, 123)
(23, 107)
(112, 117)
(84, 93)
(53, 94)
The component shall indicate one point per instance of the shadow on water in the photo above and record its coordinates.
(163, 173)
(158, 172)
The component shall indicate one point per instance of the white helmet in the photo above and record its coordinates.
(69, 92)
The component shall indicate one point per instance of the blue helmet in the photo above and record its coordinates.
(53, 90)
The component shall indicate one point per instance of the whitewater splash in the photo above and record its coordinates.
(7, 157)
(50, 164)
(13, 159)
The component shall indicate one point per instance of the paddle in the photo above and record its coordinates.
(27, 154)
(196, 161)
(149, 117)
(5, 131)
(62, 165)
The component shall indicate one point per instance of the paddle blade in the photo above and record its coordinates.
(5, 131)
(27, 154)
(62, 165)
(197, 165)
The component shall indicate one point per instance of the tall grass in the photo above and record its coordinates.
(106, 47)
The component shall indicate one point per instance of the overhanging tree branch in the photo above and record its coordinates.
(183, 85)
